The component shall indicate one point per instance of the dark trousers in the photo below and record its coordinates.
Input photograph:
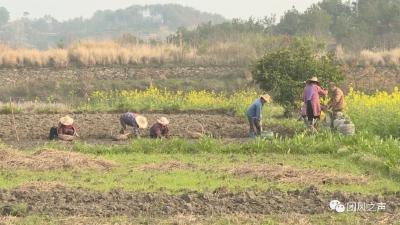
(255, 127)
(312, 120)
(310, 111)
(125, 123)
(53, 133)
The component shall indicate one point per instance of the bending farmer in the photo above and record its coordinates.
(66, 129)
(336, 103)
(160, 129)
(134, 120)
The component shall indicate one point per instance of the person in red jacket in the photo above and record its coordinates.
(160, 129)
(66, 126)
(66, 129)
(312, 102)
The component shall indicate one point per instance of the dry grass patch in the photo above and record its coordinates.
(286, 174)
(167, 166)
(294, 175)
(33, 107)
(49, 159)
(42, 186)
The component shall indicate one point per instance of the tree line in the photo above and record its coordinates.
(356, 25)
(353, 24)
(146, 22)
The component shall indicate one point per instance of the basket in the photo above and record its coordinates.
(347, 129)
(338, 122)
(64, 137)
(193, 131)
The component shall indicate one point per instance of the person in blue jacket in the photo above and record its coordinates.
(254, 115)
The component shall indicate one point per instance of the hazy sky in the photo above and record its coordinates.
(65, 9)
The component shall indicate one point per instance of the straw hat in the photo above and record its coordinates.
(266, 98)
(141, 121)
(314, 79)
(66, 121)
(163, 121)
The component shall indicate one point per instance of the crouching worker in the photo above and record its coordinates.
(160, 129)
(134, 120)
(66, 130)
(254, 115)
(336, 104)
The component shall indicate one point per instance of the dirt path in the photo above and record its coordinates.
(104, 126)
(63, 201)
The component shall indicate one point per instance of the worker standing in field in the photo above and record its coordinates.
(312, 102)
(336, 103)
(134, 120)
(160, 129)
(254, 114)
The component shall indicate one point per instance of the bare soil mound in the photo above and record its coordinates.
(295, 175)
(50, 159)
(63, 201)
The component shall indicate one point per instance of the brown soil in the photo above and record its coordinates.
(106, 126)
(63, 201)
(50, 159)
(294, 175)
(34, 128)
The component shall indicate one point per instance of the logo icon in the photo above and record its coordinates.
(337, 206)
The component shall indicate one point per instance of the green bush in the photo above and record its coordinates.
(283, 72)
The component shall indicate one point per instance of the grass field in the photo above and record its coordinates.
(178, 167)
(287, 180)
(377, 114)
(176, 172)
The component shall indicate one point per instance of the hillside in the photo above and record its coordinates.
(145, 22)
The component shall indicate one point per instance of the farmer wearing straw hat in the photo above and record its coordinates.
(134, 120)
(312, 102)
(160, 129)
(336, 103)
(254, 115)
(66, 128)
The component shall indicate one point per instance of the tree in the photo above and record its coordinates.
(316, 21)
(282, 73)
(4, 16)
(290, 22)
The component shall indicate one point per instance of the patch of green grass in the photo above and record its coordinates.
(14, 209)
(8, 108)
(175, 181)
(387, 150)
(206, 173)
(332, 219)
(280, 219)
